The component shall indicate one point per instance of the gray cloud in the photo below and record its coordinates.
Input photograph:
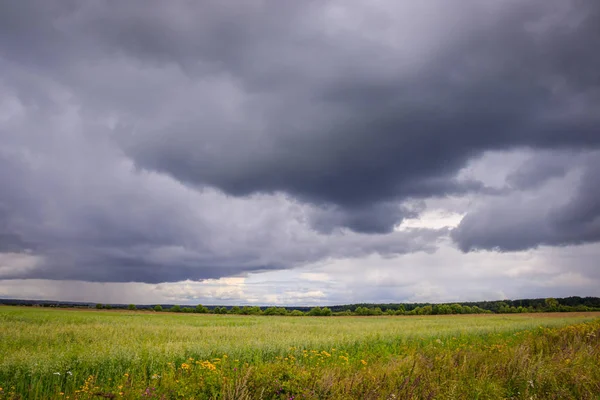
(125, 129)
(564, 213)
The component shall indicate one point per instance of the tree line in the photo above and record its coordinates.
(568, 304)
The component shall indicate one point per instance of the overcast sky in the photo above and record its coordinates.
(310, 152)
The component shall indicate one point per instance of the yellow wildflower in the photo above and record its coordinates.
(363, 362)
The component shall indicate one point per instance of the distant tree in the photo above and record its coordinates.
(200, 309)
(99, 306)
(362, 311)
(107, 306)
(297, 313)
(247, 310)
(132, 307)
(270, 311)
(235, 310)
(325, 312)
(158, 307)
(187, 309)
(175, 308)
(457, 309)
(551, 304)
(315, 312)
(426, 310)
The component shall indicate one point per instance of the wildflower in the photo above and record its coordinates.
(56, 373)
(125, 374)
(62, 393)
(363, 362)
(185, 366)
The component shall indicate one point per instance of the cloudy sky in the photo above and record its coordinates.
(314, 152)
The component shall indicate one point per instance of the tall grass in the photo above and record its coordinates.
(94, 354)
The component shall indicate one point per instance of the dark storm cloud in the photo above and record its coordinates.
(554, 218)
(351, 110)
(355, 124)
(540, 168)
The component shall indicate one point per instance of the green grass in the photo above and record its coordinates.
(122, 354)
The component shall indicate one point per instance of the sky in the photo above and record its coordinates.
(299, 153)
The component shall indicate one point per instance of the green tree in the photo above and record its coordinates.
(200, 309)
(426, 310)
(158, 307)
(326, 312)
(457, 309)
(551, 304)
(247, 310)
(175, 308)
(132, 307)
(99, 306)
(270, 311)
(315, 312)
(235, 310)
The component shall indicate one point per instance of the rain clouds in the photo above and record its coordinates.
(159, 142)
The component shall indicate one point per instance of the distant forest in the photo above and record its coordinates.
(567, 304)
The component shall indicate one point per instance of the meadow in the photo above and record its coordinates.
(75, 354)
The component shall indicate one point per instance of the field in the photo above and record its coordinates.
(51, 353)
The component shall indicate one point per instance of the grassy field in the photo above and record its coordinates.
(47, 353)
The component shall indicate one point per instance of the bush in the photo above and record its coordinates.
(132, 307)
(158, 307)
